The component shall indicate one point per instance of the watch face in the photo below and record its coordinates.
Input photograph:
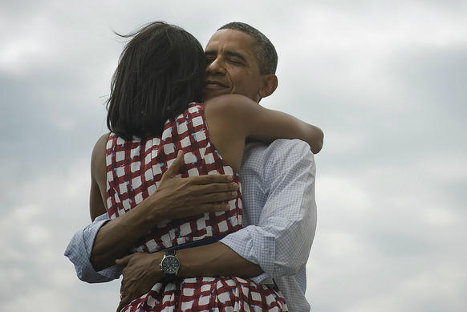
(170, 264)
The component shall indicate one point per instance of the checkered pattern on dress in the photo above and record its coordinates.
(135, 168)
(222, 294)
(134, 171)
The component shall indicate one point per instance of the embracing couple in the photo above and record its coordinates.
(192, 197)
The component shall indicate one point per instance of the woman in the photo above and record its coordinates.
(152, 117)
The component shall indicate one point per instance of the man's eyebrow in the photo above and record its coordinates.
(229, 53)
(236, 54)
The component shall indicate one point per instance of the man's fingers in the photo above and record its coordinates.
(214, 207)
(214, 193)
(214, 188)
(123, 302)
(123, 261)
(175, 166)
(216, 197)
(126, 298)
(211, 178)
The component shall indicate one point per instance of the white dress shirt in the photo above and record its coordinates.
(279, 219)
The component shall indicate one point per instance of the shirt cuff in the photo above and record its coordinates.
(263, 279)
(242, 243)
(79, 252)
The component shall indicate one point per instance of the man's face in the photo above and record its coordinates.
(232, 66)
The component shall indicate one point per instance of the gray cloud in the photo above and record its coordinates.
(384, 80)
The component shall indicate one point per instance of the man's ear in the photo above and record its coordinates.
(270, 83)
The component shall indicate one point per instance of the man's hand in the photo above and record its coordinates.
(141, 272)
(175, 198)
(178, 198)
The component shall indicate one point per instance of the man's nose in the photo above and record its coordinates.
(216, 67)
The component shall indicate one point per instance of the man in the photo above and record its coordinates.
(277, 188)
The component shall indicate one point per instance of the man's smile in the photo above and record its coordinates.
(213, 84)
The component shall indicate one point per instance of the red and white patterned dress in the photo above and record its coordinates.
(134, 171)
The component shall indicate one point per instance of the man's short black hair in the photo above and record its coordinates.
(267, 55)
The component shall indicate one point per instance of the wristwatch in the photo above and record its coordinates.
(170, 264)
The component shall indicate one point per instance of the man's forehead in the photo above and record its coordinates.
(230, 40)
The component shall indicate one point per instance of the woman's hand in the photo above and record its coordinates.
(141, 272)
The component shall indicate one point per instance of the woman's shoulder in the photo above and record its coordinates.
(101, 143)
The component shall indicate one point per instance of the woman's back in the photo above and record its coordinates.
(135, 168)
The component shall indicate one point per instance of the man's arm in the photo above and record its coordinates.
(282, 226)
(79, 253)
(98, 245)
(278, 244)
(142, 270)
(279, 239)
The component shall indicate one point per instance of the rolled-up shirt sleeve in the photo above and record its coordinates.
(279, 241)
(79, 252)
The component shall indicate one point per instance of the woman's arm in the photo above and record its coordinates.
(97, 204)
(254, 121)
(116, 237)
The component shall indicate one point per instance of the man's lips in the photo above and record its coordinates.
(210, 84)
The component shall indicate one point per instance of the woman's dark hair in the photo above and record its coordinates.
(159, 73)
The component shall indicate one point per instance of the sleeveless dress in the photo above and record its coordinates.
(134, 171)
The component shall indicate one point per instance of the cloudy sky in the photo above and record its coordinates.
(385, 80)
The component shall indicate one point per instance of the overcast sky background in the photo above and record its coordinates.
(385, 80)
